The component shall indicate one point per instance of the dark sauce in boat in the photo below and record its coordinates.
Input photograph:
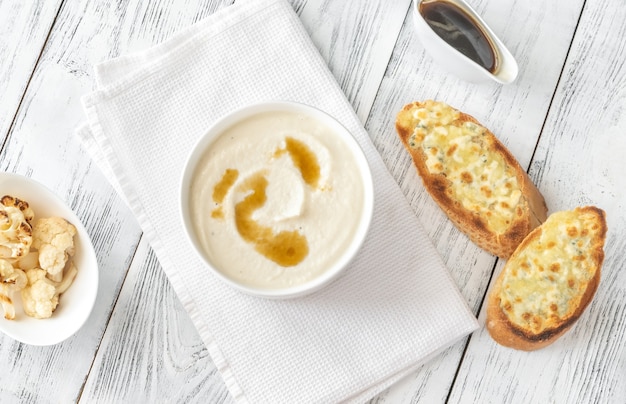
(459, 30)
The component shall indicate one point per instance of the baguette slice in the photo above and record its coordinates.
(549, 280)
(471, 175)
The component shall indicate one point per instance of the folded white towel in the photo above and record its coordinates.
(396, 305)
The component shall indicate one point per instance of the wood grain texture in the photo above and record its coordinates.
(579, 161)
(356, 39)
(24, 27)
(152, 339)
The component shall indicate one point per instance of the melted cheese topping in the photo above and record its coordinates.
(479, 176)
(543, 284)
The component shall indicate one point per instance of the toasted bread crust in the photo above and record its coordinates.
(532, 210)
(504, 332)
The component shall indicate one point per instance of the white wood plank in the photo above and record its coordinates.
(515, 113)
(356, 38)
(579, 161)
(24, 27)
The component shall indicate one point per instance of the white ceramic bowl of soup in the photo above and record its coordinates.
(276, 199)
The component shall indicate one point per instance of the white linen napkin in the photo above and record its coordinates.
(394, 308)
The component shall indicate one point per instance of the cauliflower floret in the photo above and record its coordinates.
(54, 238)
(40, 297)
(22, 205)
(11, 279)
(15, 228)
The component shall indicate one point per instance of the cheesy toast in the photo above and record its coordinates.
(473, 178)
(549, 280)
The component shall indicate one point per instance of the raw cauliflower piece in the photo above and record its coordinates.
(15, 228)
(11, 279)
(53, 237)
(39, 297)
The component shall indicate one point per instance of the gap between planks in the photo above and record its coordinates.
(30, 77)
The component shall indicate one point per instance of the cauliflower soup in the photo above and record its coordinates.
(277, 199)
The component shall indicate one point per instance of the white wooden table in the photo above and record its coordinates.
(564, 119)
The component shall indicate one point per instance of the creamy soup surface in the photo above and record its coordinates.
(276, 199)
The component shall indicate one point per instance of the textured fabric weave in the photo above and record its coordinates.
(394, 308)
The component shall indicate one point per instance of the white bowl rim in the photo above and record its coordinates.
(229, 119)
(68, 318)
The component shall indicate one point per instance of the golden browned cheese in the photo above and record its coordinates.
(471, 175)
(549, 280)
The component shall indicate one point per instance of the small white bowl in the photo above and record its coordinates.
(456, 62)
(76, 303)
(340, 265)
